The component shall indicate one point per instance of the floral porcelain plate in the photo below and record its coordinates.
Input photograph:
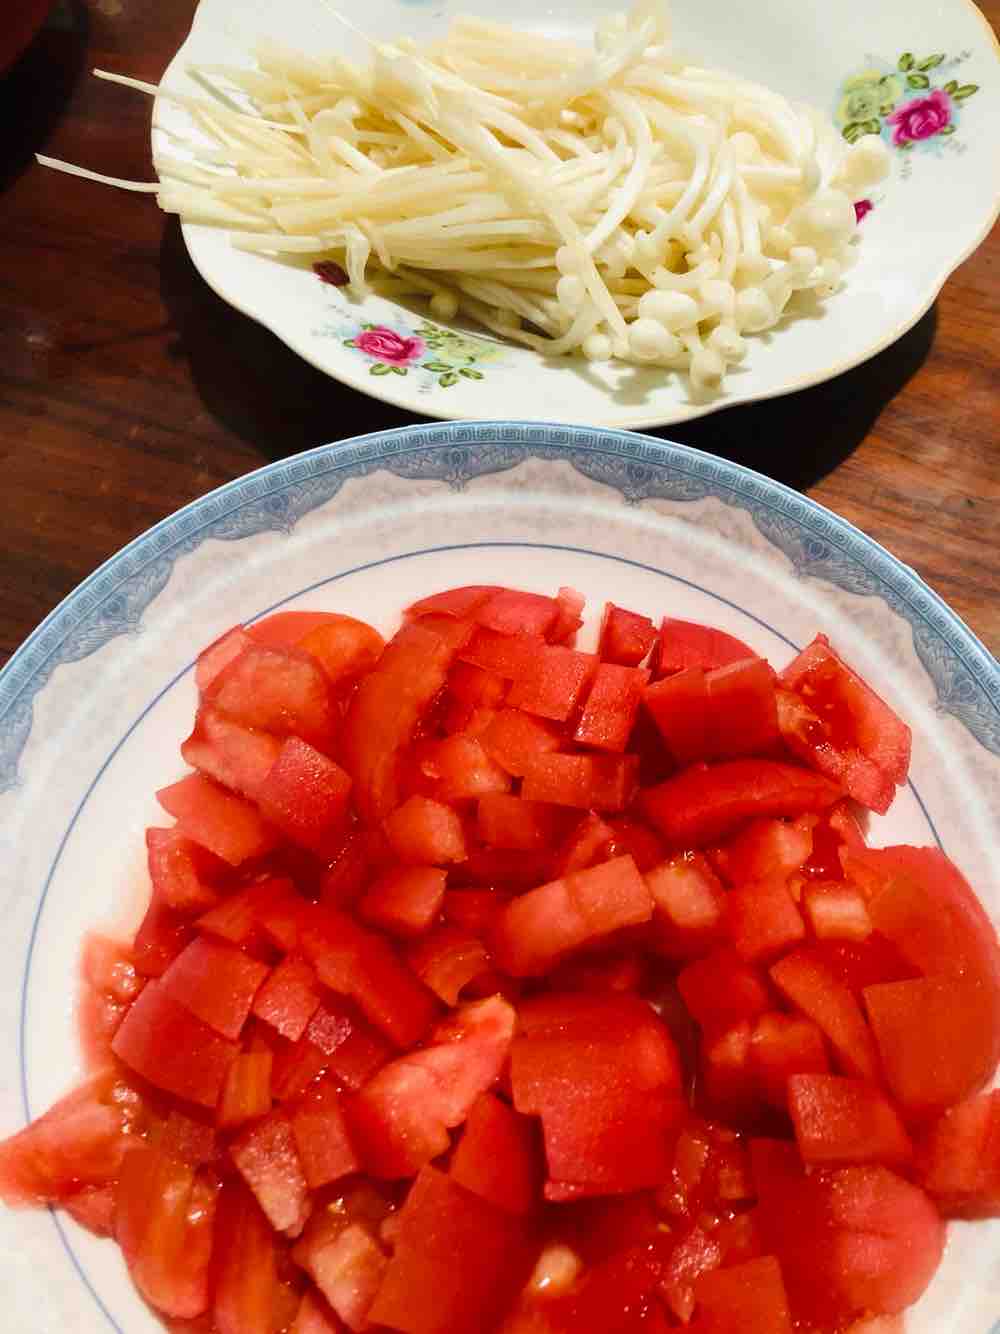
(93, 706)
(924, 74)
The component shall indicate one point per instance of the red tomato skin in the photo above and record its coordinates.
(172, 1049)
(611, 707)
(683, 644)
(424, 1290)
(702, 804)
(499, 1156)
(626, 636)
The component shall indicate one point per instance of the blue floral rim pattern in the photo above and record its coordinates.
(112, 601)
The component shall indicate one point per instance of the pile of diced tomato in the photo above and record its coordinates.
(488, 985)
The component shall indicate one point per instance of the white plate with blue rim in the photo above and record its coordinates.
(94, 705)
(924, 74)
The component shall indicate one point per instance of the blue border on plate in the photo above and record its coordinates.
(819, 545)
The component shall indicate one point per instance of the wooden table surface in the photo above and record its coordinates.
(127, 388)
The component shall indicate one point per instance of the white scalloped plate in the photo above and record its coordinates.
(93, 706)
(938, 205)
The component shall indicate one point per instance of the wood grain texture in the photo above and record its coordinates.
(128, 389)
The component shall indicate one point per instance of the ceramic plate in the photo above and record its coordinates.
(924, 72)
(92, 708)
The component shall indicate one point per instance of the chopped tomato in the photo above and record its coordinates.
(814, 990)
(164, 1223)
(220, 654)
(762, 919)
(515, 739)
(512, 823)
(406, 901)
(321, 1136)
(288, 998)
(305, 794)
(245, 1264)
(499, 1156)
(783, 1045)
(267, 1158)
(746, 1296)
(238, 757)
(553, 683)
(346, 1264)
(690, 906)
(839, 724)
(216, 819)
(845, 1121)
(590, 782)
(181, 872)
(215, 982)
(172, 1049)
(958, 1159)
(707, 802)
(345, 648)
(683, 644)
(626, 637)
(611, 707)
(246, 1093)
(458, 1264)
(425, 832)
(447, 959)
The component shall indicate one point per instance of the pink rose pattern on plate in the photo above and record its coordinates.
(910, 103)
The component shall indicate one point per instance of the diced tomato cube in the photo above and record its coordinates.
(611, 707)
(220, 654)
(603, 1074)
(345, 648)
(783, 1045)
(683, 644)
(569, 617)
(161, 937)
(172, 1049)
(499, 1156)
(679, 706)
(728, 1085)
(510, 612)
(406, 901)
(509, 656)
(188, 1138)
(400, 1120)
(839, 1121)
(742, 708)
(244, 1264)
(749, 1296)
(457, 768)
(762, 919)
(643, 844)
(804, 733)
(180, 872)
(448, 959)
(850, 1240)
(361, 964)
(472, 909)
(238, 757)
(277, 690)
(541, 926)
(425, 832)
(473, 688)
(355, 863)
(384, 711)
(305, 795)
(286, 629)
(78, 1142)
(611, 972)
(516, 739)
(218, 820)
(626, 637)
(554, 683)
(862, 963)
(267, 910)
(958, 1161)
(852, 734)
(321, 1137)
(457, 602)
(590, 782)
(705, 803)
(765, 848)
(690, 906)
(425, 1291)
(346, 1264)
(110, 983)
(215, 982)
(586, 843)
(924, 905)
(267, 1158)
(289, 998)
(721, 989)
(937, 1038)
(336, 1039)
(836, 911)
(814, 990)
(506, 821)
(246, 1094)
(164, 1225)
